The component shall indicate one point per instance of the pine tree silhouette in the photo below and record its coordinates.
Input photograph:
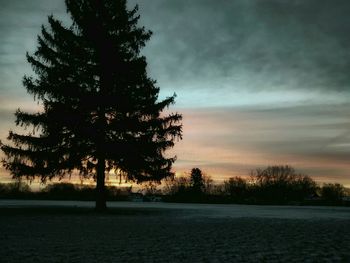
(101, 110)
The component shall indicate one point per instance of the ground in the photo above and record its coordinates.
(48, 231)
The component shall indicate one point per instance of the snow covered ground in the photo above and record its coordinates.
(60, 231)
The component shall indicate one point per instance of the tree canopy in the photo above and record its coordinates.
(196, 179)
(100, 109)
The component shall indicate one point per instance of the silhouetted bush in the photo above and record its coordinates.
(150, 192)
(176, 185)
(67, 191)
(332, 193)
(178, 189)
(281, 184)
(195, 188)
(17, 189)
(208, 185)
(196, 181)
(151, 189)
(236, 188)
(61, 191)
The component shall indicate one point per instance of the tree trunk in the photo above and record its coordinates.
(104, 51)
(100, 186)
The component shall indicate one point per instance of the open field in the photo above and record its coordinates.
(51, 231)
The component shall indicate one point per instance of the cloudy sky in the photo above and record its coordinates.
(259, 82)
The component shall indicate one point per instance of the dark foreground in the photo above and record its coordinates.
(129, 232)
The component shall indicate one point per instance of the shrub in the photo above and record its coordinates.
(281, 184)
(332, 193)
(235, 187)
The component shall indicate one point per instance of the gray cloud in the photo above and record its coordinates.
(269, 44)
(20, 23)
(215, 46)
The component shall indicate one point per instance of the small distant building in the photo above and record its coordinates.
(156, 198)
(346, 198)
(313, 197)
(136, 197)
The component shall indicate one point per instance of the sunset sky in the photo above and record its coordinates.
(259, 82)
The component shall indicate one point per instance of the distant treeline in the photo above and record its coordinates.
(279, 185)
(61, 191)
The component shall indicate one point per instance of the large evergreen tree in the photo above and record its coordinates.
(100, 109)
